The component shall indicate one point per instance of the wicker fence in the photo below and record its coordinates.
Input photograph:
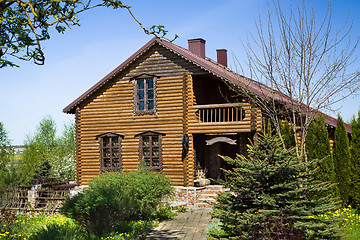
(34, 201)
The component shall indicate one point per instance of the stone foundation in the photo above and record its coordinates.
(197, 196)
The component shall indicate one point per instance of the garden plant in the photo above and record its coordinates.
(114, 198)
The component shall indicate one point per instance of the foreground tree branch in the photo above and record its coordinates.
(24, 25)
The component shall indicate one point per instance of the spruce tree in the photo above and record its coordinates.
(355, 162)
(318, 149)
(341, 154)
(269, 196)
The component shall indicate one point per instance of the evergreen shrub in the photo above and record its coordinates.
(341, 154)
(270, 195)
(355, 163)
(115, 197)
(318, 149)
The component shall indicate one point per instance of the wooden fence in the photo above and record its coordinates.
(48, 201)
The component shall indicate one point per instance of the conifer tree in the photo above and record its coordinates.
(269, 196)
(318, 149)
(355, 162)
(341, 154)
(287, 135)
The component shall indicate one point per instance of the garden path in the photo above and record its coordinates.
(191, 225)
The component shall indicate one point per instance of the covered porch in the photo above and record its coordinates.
(209, 147)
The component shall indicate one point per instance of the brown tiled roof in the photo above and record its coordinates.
(206, 64)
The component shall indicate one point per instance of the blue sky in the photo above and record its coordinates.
(83, 55)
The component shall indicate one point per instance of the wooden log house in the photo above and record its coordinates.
(168, 106)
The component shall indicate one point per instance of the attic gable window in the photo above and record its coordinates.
(150, 149)
(144, 94)
(110, 151)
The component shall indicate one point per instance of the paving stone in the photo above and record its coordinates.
(191, 225)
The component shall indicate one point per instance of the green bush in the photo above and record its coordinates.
(341, 154)
(318, 149)
(355, 162)
(116, 197)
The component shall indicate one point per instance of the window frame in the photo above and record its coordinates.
(112, 159)
(136, 89)
(151, 134)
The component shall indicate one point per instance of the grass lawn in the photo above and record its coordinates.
(350, 222)
(58, 227)
(63, 228)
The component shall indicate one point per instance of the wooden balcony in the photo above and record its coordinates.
(231, 112)
(220, 118)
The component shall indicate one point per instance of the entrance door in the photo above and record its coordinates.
(207, 151)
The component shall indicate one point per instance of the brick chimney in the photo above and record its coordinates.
(222, 56)
(197, 46)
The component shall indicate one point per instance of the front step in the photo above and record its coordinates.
(199, 196)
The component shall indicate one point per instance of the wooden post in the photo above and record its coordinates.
(77, 146)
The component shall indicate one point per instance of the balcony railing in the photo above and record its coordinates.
(212, 113)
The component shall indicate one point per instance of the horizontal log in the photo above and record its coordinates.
(88, 138)
(140, 122)
(165, 107)
(210, 131)
(167, 117)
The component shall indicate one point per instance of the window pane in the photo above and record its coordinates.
(115, 141)
(146, 141)
(155, 162)
(155, 151)
(106, 142)
(146, 152)
(155, 140)
(150, 105)
(150, 83)
(116, 163)
(107, 162)
(115, 152)
(141, 105)
(107, 152)
(147, 162)
(150, 94)
(140, 84)
(140, 95)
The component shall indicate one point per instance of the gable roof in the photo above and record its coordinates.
(109, 134)
(206, 64)
(149, 132)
